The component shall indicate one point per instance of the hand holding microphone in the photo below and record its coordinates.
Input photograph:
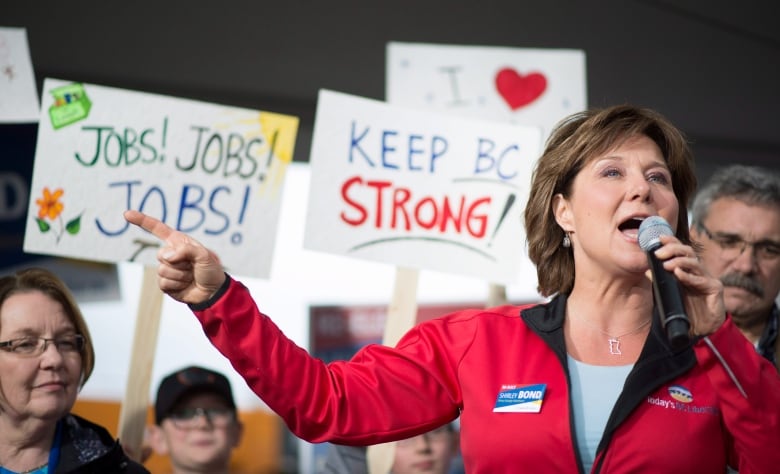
(668, 295)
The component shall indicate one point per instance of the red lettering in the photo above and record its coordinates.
(419, 210)
(448, 216)
(480, 219)
(379, 186)
(445, 214)
(363, 214)
(400, 197)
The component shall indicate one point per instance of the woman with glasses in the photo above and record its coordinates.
(588, 381)
(46, 356)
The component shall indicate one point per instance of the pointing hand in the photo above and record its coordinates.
(188, 271)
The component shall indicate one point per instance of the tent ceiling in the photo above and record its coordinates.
(712, 67)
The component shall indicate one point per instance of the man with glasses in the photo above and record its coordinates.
(196, 422)
(736, 219)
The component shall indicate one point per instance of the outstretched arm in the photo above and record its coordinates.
(188, 271)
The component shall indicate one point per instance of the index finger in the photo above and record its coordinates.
(154, 226)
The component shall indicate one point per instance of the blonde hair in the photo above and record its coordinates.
(40, 279)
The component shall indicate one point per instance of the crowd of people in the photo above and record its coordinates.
(585, 382)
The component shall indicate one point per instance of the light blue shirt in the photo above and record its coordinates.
(594, 390)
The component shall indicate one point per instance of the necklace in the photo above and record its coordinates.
(614, 341)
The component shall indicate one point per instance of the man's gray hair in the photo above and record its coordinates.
(753, 185)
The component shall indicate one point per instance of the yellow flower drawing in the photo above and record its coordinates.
(50, 205)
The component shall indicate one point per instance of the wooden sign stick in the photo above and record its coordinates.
(496, 295)
(132, 416)
(401, 316)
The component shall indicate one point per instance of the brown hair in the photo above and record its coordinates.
(40, 279)
(575, 141)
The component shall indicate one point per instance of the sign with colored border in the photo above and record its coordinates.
(211, 171)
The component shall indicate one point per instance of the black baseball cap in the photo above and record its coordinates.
(186, 381)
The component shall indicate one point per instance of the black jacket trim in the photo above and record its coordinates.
(207, 304)
(658, 363)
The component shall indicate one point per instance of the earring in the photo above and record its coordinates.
(566, 241)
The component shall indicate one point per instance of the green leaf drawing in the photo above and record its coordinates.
(43, 225)
(74, 226)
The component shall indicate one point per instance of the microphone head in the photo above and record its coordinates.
(650, 230)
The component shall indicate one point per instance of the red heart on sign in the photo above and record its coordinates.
(518, 90)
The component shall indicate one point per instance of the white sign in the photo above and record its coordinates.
(212, 171)
(18, 93)
(536, 87)
(418, 189)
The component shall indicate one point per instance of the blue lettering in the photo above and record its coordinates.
(414, 151)
(186, 204)
(486, 162)
(437, 152)
(501, 173)
(213, 208)
(101, 228)
(388, 148)
(354, 144)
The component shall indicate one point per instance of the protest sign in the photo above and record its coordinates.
(418, 189)
(535, 87)
(212, 171)
(18, 91)
(527, 86)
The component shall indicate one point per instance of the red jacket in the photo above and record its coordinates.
(678, 413)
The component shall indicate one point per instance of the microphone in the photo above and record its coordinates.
(668, 294)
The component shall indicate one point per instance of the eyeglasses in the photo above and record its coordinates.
(188, 418)
(35, 346)
(434, 436)
(732, 246)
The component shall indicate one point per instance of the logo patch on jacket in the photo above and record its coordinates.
(682, 400)
(681, 394)
(519, 398)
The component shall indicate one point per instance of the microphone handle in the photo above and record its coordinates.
(668, 300)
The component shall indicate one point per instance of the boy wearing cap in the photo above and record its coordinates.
(196, 422)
